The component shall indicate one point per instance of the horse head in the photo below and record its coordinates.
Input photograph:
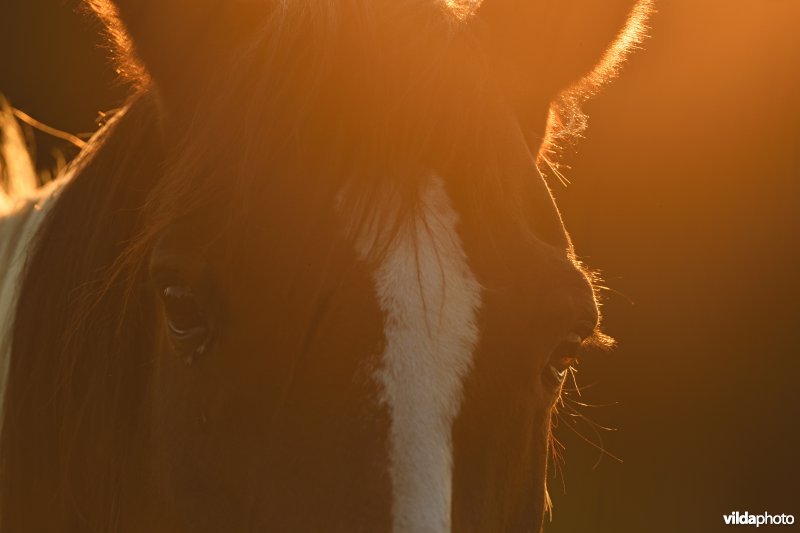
(325, 286)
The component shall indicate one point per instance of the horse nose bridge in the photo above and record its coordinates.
(545, 218)
(552, 229)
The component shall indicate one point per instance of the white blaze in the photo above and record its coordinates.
(430, 298)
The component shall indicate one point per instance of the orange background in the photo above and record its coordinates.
(686, 194)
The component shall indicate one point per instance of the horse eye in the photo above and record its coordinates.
(562, 358)
(187, 321)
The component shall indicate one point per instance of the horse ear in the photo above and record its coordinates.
(540, 47)
(173, 43)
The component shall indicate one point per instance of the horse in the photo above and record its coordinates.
(310, 276)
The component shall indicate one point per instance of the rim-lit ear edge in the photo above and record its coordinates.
(561, 52)
(546, 46)
(176, 45)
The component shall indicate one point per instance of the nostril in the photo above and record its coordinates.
(561, 360)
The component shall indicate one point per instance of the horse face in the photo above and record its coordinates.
(370, 353)
(291, 381)
(265, 406)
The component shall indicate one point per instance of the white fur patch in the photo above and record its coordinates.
(431, 299)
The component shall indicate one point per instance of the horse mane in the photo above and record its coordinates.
(75, 390)
(17, 171)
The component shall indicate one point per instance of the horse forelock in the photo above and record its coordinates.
(354, 88)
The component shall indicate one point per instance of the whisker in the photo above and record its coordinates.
(557, 450)
(576, 414)
(578, 389)
(599, 447)
(590, 405)
(572, 373)
(624, 296)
